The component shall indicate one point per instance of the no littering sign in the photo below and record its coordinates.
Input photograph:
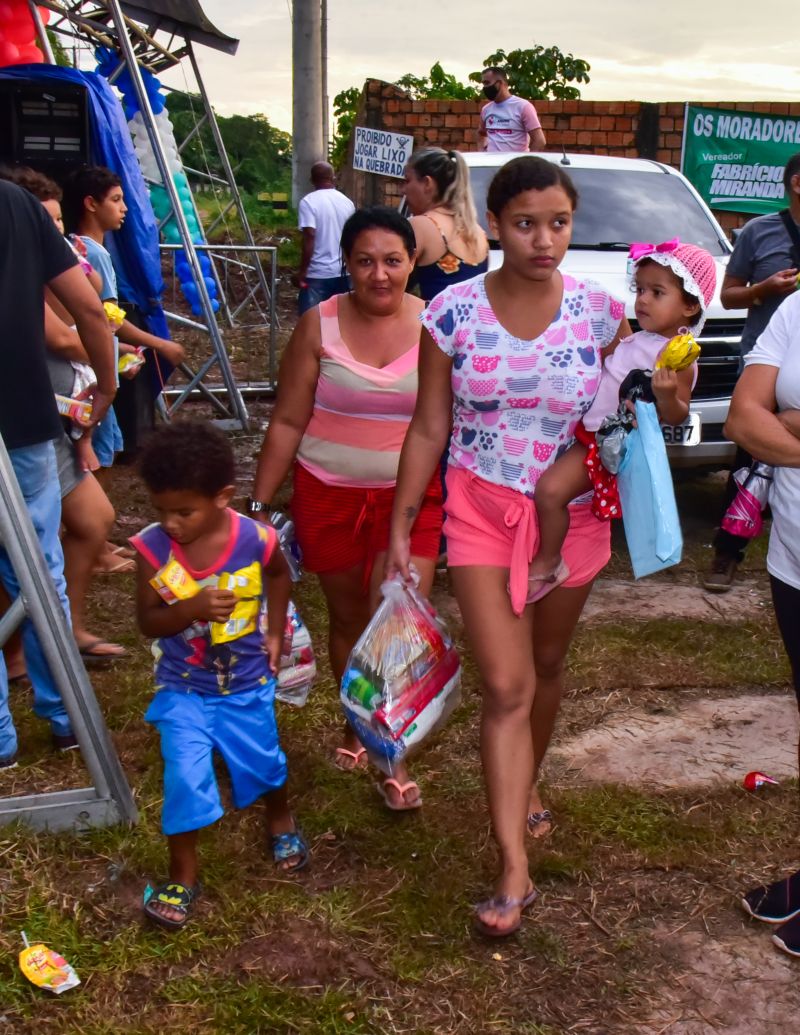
(385, 154)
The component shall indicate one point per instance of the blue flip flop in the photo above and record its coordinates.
(285, 846)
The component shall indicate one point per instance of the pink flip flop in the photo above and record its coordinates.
(357, 756)
(401, 789)
(540, 585)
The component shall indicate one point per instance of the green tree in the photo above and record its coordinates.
(260, 154)
(438, 85)
(345, 108)
(540, 72)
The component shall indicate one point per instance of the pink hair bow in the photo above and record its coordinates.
(639, 249)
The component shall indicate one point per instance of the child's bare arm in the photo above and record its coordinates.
(156, 618)
(673, 392)
(278, 583)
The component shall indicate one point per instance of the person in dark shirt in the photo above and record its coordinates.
(33, 254)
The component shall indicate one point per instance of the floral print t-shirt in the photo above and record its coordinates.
(516, 401)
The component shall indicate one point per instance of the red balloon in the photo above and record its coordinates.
(21, 31)
(44, 14)
(9, 53)
(7, 13)
(30, 55)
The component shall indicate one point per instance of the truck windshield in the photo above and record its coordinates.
(618, 206)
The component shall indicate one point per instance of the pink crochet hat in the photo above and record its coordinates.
(692, 265)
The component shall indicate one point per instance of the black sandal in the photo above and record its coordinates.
(177, 897)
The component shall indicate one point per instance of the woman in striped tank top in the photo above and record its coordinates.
(347, 390)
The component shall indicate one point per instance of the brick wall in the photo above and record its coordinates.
(630, 129)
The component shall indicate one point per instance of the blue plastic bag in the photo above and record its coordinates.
(649, 512)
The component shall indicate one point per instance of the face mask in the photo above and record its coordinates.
(490, 91)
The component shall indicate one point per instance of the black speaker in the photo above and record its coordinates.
(44, 124)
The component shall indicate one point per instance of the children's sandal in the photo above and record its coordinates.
(177, 897)
(287, 846)
(540, 585)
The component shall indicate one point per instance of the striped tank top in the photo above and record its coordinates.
(361, 413)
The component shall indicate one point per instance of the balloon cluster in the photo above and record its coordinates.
(107, 63)
(18, 33)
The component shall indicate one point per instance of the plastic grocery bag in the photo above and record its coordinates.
(403, 677)
(649, 512)
(298, 667)
(744, 517)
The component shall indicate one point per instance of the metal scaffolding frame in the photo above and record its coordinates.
(105, 23)
(109, 799)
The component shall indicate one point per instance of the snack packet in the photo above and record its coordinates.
(45, 968)
(173, 582)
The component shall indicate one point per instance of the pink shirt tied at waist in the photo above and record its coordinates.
(361, 413)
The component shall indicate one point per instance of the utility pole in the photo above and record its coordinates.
(307, 146)
(326, 129)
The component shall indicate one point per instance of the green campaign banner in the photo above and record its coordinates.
(735, 159)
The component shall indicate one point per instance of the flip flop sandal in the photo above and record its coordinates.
(535, 819)
(286, 846)
(503, 904)
(401, 790)
(357, 756)
(123, 566)
(123, 551)
(540, 585)
(177, 897)
(90, 653)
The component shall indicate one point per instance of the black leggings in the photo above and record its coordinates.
(786, 601)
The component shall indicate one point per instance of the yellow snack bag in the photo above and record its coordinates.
(173, 582)
(246, 585)
(129, 361)
(679, 353)
(114, 314)
(45, 968)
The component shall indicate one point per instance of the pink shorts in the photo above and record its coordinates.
(487, 524)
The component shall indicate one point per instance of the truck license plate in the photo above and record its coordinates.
(686, 434)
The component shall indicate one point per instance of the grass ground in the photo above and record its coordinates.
(376, 936)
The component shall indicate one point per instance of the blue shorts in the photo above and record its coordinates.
(107, 439)
(240, 726)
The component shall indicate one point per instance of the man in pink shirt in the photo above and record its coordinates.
(508, 123)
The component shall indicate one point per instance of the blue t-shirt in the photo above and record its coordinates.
(100, 260)
(190, 660)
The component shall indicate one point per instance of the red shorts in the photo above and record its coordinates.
(340, 527)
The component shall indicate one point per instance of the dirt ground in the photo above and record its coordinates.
(673, 694)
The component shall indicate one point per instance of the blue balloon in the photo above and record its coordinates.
(211, 284)
(215, 304)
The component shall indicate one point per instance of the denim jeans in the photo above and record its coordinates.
(35, 468)
(318, 289)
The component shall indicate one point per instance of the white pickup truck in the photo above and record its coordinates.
(634, 199)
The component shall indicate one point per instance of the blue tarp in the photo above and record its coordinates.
(134, 248)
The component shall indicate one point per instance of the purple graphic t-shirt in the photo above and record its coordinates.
(516, 401)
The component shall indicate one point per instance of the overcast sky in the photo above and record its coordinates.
(638, 50)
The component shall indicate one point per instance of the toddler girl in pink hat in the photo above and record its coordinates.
(674, 285)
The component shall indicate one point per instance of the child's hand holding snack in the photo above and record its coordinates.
(213, 605)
